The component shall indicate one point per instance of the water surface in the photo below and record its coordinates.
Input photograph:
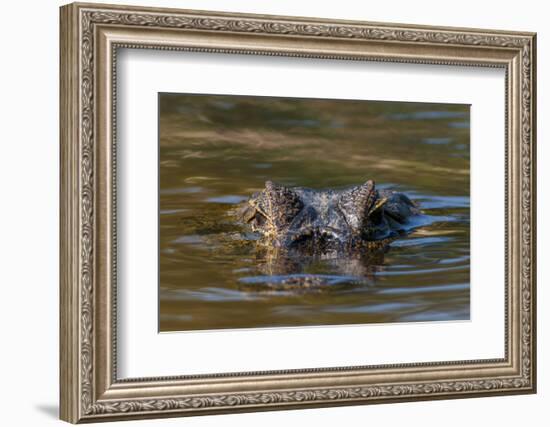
(215, 151)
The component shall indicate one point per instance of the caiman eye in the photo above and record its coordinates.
(259, 219)
(375, 216)
(248, 213)
(254, 216)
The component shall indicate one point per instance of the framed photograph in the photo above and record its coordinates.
(265, 212)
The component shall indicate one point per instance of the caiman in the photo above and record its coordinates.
(346, 226)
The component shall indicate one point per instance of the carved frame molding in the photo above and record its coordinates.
(90, 37)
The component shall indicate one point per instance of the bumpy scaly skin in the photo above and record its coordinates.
(328, 223)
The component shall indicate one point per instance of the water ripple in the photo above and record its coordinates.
(425, 289)
(229, 199)
(420, 241)
(182, 190)
(207, 294)
(428, 115)
(438, 202)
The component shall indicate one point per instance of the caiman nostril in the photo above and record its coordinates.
(328, 233)
(306, 234)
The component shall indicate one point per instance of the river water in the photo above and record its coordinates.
(215, 151)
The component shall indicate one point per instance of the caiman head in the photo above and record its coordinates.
(319, 221)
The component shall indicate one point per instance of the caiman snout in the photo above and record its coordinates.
(318, 238)
(327, 221)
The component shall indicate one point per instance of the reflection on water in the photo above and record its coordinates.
(215, 151)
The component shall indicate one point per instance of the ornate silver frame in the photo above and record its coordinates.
(90, 36)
